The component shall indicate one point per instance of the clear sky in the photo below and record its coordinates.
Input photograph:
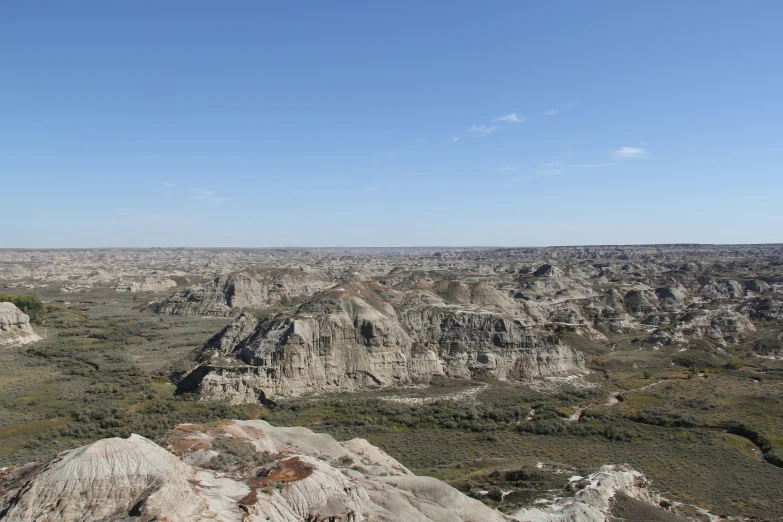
(392, 123)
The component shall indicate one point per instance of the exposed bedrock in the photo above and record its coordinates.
(350, 337)
(286, 475)
(15, 326)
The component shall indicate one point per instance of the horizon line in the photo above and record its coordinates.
(472, 247)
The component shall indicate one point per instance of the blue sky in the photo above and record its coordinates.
(390, 123)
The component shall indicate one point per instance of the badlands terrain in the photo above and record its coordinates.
(571, 383)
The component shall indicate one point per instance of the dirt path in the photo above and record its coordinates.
(464, 395)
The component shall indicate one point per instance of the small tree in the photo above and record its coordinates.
(28, 304)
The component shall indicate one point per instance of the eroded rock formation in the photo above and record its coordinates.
(294, 475)
(359, 335)
(15, 326)
(250, 471)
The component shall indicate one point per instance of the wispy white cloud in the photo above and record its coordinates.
(168, 184)
(511, 118)
(372, 189)
(542, 174)
(561, 108)
(592, 165)
(453, 139)
(575, 165)
(630, 152)
(134, 217)
(482, 130)
(509, 167)
(202, 193)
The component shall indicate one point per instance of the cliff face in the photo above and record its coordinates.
(15, 326)
(351, 336)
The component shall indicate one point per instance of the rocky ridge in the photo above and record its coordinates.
(359, 335)
(250, 288)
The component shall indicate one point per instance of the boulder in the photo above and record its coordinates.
(15, 329)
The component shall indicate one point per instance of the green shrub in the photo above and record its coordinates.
(775, 457)
(29, 304)
(734, 364)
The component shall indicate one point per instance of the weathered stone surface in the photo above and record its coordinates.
(351, 336)
(292, 476)
(306, 476)
(15, 326)
(108, 479)
(594, 501)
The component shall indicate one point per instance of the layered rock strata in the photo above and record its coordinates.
(351, 336)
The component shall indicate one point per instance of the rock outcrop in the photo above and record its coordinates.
(15, 326)
(352, 336)
(108, 479)
(595, 498)
(292, 475)
(250, 471)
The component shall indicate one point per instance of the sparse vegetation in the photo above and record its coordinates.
(234, 452)
(98, 374)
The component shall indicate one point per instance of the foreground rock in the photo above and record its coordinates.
(360, 335)
(250, 471)
(15, 329)
(292, 475)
